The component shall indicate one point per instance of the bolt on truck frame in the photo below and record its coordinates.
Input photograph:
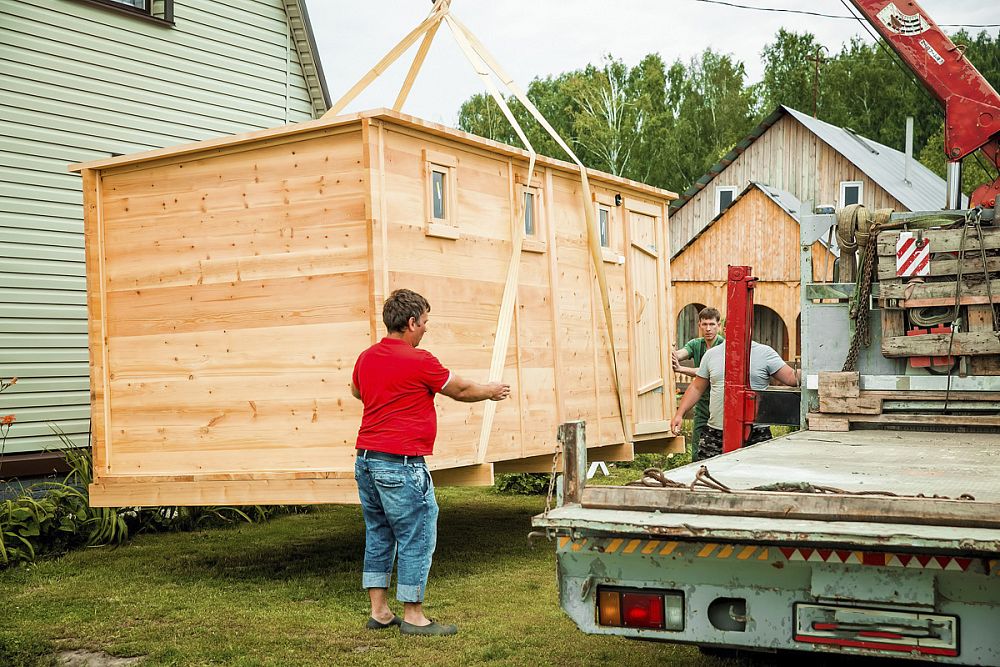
(903, 577)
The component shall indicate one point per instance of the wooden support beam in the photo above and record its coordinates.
(805, 506)
(947, 266)
(573, 437)
(965, 343)
(942, 293)
(437, 13)
(943, 240)
(418, 61)
(862, 405)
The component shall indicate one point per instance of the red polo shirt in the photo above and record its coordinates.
(397, 383)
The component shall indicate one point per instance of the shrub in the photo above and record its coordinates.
(523, 483)
(54, 517)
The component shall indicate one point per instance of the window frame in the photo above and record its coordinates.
(611, 253)
(843, 192)
(164, 16)
(719, 189)
(446, 227)
(535, 242)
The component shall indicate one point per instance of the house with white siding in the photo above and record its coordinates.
(87, 79)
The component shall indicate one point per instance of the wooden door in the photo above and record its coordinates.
(647, 328)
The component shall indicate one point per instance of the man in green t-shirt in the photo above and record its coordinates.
(708, 324)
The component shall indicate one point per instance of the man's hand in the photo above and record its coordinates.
(498, 391)
(675, 357)
(675, 424)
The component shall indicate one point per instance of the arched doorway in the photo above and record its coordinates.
(770, 329)
(687, 323)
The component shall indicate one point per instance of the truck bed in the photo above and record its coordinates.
(903, 462)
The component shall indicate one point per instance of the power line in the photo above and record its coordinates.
(832, 16)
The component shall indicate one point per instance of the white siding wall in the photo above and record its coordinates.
(80, 82)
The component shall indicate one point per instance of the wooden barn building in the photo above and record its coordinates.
(789, 159)
(233, 283)
(759, 229)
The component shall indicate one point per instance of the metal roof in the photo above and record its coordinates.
(884, 165)
(925, 190)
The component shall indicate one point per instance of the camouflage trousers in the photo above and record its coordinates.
(711, 440)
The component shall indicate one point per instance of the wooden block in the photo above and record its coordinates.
(965, 343)
(822, 422)
(980, 318)
(893, 320)
(862, 405)
(836, 384)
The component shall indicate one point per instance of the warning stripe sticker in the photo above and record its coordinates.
(744, 552)
(913, 256)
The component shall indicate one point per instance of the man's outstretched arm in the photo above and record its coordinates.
(467, 391)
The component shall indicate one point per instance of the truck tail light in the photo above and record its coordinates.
(640, 608)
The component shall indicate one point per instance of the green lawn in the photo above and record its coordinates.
(286, 593)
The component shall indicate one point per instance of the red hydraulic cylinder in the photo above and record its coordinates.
(740, 400)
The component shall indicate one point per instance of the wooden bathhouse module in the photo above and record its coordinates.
(233, 282)
(759, 229)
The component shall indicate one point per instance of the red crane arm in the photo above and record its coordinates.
(972, 106)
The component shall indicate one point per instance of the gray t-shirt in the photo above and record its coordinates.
(764, 362)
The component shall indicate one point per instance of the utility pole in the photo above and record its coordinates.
(816, 60)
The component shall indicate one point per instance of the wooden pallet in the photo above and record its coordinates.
(977, 339)
(843, 405)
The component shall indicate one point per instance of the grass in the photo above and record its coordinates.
(287, 593)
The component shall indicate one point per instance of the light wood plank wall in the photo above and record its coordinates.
(233, 288)
(788, 157)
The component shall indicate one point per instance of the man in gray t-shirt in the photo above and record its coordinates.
(765, 364)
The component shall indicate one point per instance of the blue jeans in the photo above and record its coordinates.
(397, 500)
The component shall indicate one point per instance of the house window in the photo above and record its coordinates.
(160, 11)
(851, 192)
(604, 226)
(724, 196)
(440, 196)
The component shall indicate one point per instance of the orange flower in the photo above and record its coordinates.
(7, 420)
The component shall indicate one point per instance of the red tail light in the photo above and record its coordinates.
(642, 610)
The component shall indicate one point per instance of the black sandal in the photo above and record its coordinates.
(378, 625)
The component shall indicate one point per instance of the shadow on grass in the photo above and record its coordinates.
(331, 542)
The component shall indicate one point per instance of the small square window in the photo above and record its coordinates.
(851, 192)
(440, 184)
(604, 226)
(724, 196)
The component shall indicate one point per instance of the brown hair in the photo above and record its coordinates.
(400, 307)
(709, 314)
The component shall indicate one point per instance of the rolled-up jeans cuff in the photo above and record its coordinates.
(375, 579)
(409, 593)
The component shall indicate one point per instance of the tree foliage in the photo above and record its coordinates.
(666, 125)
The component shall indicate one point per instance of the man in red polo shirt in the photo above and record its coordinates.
(397, 383)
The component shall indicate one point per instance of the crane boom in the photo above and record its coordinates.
(971, 104)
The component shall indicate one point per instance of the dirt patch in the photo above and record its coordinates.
(85, 658)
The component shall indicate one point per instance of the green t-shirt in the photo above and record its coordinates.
(696, 348)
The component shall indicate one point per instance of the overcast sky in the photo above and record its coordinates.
(547, 37)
